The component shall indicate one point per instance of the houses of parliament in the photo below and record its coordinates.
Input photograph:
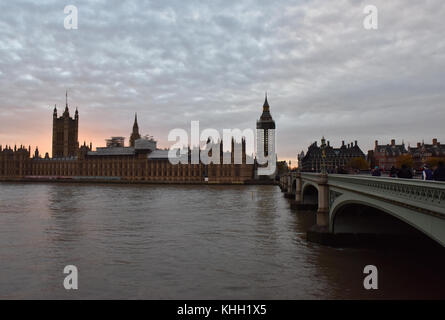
(141, 161)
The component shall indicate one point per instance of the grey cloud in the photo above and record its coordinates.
(176, 61)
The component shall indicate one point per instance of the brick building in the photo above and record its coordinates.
(422, 153)
(385, 156)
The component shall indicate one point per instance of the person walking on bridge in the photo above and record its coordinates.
(405, 172)
(439, 173)
(427, 173)
(376, 172)
(393, 172)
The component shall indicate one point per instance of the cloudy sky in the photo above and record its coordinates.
(174, 61)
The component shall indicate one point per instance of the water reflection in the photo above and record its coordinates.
(162, 241)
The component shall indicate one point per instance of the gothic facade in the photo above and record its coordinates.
(142, 161)
(336, 158)
(65, 133)
(265, 129)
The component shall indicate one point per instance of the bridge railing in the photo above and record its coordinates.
(427, 195)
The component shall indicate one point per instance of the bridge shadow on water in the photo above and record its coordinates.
(410, 264)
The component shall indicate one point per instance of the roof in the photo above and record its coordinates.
(113, 151)
(158, 154)
(391, 150)
(266, 121)
(314, 151)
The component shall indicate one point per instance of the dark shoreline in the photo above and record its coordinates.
(124, 181)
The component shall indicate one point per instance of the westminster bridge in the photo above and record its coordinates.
(359, 204)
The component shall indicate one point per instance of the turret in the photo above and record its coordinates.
(232, 151)
(66, 113)
(135, 134)
(243, 146)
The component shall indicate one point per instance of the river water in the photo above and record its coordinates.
(188, 242)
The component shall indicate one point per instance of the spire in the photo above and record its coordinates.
(266, 104)
(135, 120)
(135, 134)
(66, 112)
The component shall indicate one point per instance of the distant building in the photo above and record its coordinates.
(265, 132)
(336, 158)
(65, 132)
(282, 167)
(385, 156)
(115, 142)
(142, 161)
(135, 133)
(265, 129)
(423, 153)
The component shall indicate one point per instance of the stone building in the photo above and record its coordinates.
(65, 133)
(135, 133)
(142, 161)
(265, 139)
(265, 129)
(336, 158)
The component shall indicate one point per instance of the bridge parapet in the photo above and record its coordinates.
(418, 203)
(424, 196)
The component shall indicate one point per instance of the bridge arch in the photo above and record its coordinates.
(389, 215)
(309, 192)
(294, 185)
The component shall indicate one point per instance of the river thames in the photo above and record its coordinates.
(188, 242)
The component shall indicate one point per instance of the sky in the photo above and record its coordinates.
(177, 61)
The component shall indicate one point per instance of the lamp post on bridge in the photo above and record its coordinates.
(323, 156)
(323, 191)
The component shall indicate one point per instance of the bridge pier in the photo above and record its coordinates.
(298, 184)
(297, 201)
(283, 183)
(323, 202)
(289, 183)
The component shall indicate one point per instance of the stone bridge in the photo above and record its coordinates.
(359, 204)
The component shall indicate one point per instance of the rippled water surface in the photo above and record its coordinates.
(187, 242)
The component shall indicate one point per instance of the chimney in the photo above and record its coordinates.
(343, 143)
(329, 144)
(376, 143)
(355, 143)
(393, 142)
(434, 141)
(418, 144)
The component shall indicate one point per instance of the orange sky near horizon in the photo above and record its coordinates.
(37, 131)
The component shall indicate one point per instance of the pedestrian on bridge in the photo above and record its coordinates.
(376, 172)
(405, 172)
(439, 173)
(427, 173)
(393, 172)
